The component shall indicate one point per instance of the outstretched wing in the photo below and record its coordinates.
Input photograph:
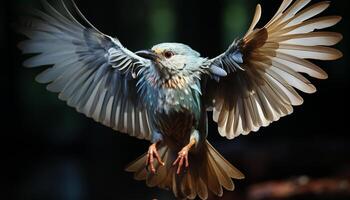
(267, 64)
(91, 71)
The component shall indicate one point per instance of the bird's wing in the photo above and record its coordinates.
(91, 71)
(266, 66)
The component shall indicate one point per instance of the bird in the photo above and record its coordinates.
(163, 94)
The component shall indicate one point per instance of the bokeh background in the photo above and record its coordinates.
(54, 153)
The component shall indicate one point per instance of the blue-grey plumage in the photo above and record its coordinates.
(171, 89)
(163, 94)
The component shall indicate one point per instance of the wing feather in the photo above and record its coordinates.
(256, 19)
(261, 89)
(91, 71)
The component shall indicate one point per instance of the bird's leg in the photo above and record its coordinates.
(151, 154)
(182, 158)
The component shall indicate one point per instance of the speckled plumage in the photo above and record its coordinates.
(171, 90)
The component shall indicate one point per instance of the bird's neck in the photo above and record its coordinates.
(171, 82)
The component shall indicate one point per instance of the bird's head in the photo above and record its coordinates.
(173, 59)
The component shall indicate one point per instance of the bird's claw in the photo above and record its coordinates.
(151, 154)
(182, 159)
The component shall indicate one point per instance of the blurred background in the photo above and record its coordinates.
(54, 153)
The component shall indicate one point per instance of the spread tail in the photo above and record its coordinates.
(207, 171)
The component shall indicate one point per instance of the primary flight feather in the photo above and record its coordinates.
(163, 94)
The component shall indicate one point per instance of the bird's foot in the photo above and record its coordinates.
(153, 153)
(182, 159)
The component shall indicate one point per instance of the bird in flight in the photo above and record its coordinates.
(163, 94)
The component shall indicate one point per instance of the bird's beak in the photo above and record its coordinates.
(148, 54)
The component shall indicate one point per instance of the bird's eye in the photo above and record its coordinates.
(168, 54)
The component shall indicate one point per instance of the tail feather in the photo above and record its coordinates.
(208, 171)
(224, 178)
(226, 166)
(213, 181)
(202, 189)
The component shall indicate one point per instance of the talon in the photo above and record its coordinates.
(152, 152)
(181, 160)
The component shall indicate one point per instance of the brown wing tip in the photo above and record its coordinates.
(338, 54)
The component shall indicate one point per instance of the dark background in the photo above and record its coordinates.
(54, 153)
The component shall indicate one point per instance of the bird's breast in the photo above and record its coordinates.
(175, 127)
(175, 113)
